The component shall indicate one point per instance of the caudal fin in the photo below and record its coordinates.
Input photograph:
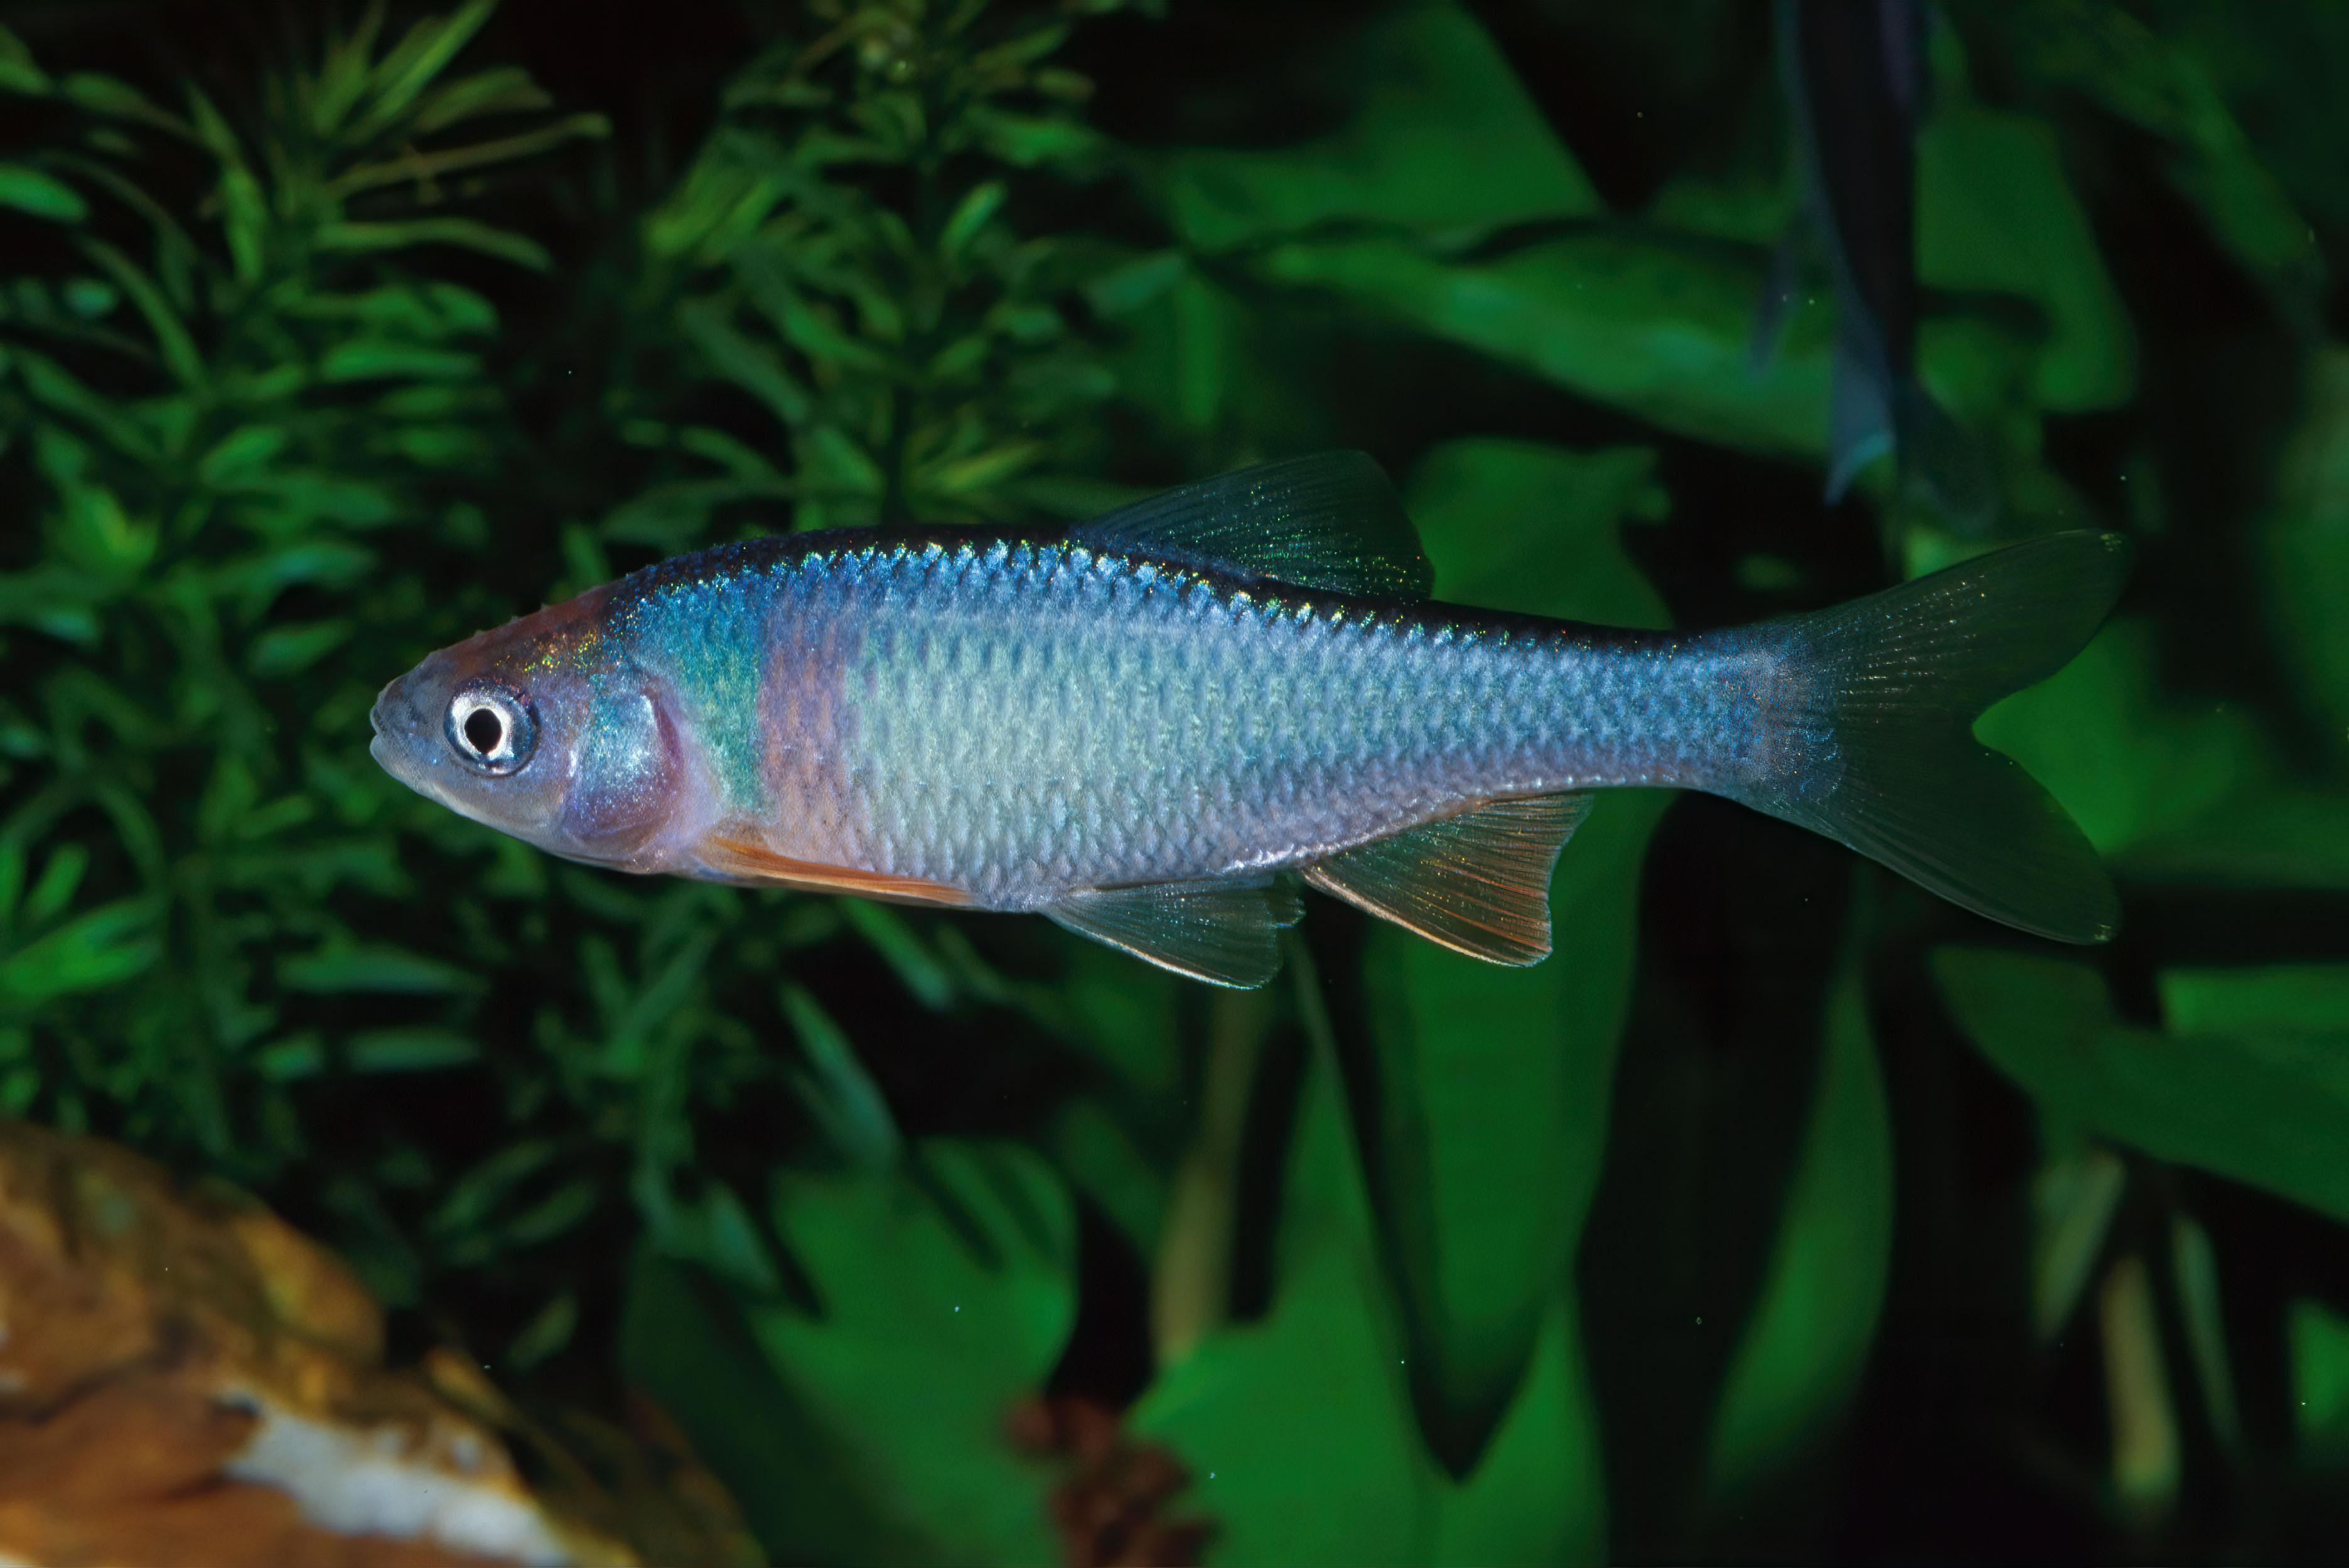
(1883, 692)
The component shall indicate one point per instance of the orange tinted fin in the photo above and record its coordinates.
(739, 860)
(1477, 882)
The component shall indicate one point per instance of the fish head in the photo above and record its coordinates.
(543, 730)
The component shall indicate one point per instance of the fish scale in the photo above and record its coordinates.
(1023, 721)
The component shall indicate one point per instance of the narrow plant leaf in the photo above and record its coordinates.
(28, 189)
(1312, 1402)
(1486, 1088)
(19, 74)
(505, 89)
(2319, 1344)
(1803, 1347)
(102, 948)
(173, 341)
(466, 233)
(412, 65)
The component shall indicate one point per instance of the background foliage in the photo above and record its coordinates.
(1784, 1212)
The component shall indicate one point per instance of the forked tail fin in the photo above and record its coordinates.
(1883, 692)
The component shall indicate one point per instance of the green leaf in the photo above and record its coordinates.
(753, 366)
(372, 358)
(2158, 81)
(343, 75)
(1431, 85)
(546, 1334)
(59, 390)
(1662, 330)
(244, 211)
(284, 651)
(2270, 1110)
(1537, 1495)
(371, 1051)
(1041, 141)
(891, 935)
(376, 967)
(970, 216)
(1486, 1141)
(2074, 1199)
(2303, 550)
(465, 233)
(837, 1091)
(2194, 1270)
(42, 195)
(1995, 215)
(113, 96)
(19, 74)
(2320, 1383)
(59, 602)
(98, 950)
(2270, 999)
(507, 90)
(245, 450)
(12, 874)
(177, 349)
(869, 1424)
(1803, 1347)
(54, 888)
(1311, 1403)
(2179, 791)
(411, 65)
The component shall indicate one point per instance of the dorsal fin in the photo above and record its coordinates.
(1477, 882)
(1224, 933)
(1331, 521)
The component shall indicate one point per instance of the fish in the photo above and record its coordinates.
(1152, 728)
(1854, 73)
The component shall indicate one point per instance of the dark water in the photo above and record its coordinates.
(1786, 1213)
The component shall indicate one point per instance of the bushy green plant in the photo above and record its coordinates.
(221, 408)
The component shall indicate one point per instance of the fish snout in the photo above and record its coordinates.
(400, 729)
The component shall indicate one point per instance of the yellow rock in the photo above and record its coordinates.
(186, 1379)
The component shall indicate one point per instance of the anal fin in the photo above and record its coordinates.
(1477, 882)
(1224, 933)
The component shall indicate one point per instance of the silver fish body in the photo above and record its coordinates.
(1022, 720)
(1140, 728)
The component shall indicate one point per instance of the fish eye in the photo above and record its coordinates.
(492, 729)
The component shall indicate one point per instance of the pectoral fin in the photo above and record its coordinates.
(741, 860)
(1478, 883)
(1227, 933)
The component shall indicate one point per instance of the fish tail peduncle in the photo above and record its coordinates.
(1861, 729)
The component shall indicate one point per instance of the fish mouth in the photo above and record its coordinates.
(393, 718)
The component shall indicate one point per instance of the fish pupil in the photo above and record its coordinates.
(483, 730)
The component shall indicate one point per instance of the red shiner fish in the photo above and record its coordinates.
(1150, 727)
